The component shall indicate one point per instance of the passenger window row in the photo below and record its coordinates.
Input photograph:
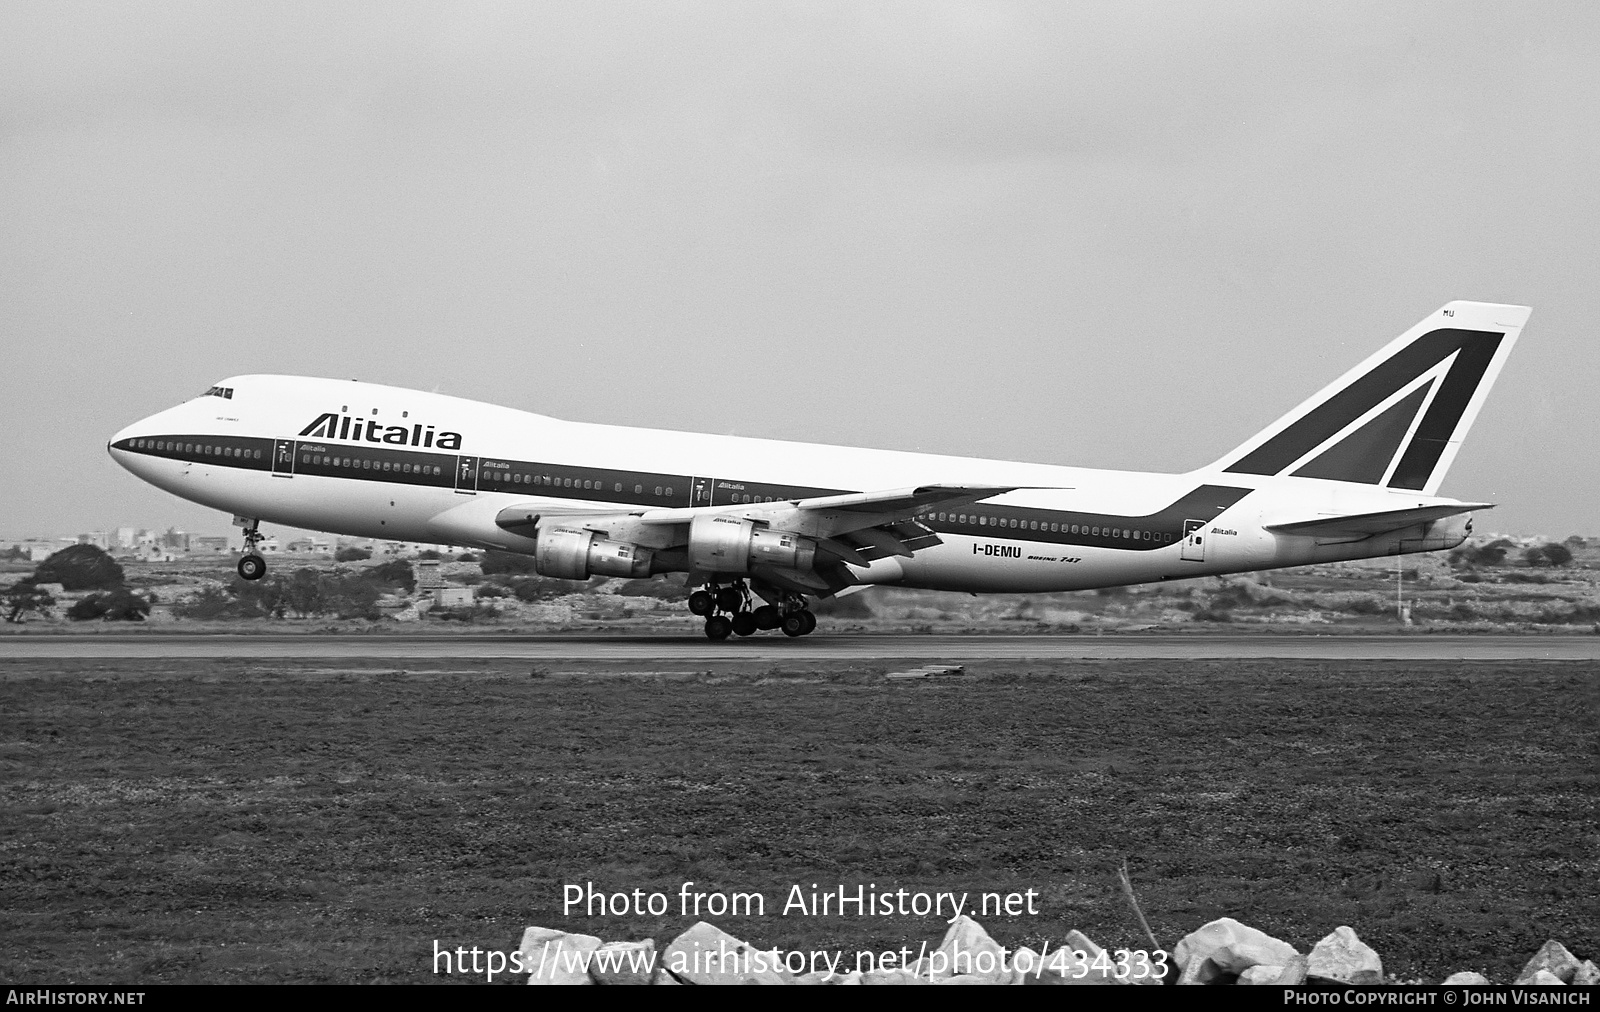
(203, 449)
(985, 520)
(496, 476)
(368, 464)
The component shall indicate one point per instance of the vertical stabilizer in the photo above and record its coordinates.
(1397, 419)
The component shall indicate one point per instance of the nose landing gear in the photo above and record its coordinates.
(726, 609)
(252, 566)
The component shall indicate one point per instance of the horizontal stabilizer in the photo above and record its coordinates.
(1368, 524)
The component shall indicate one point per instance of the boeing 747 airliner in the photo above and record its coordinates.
(762, 526)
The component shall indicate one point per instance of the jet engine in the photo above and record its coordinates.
(725, 544)
(574, 554)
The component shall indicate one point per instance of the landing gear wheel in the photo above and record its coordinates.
(768, 617)
(794, 623)
(718, 627)
(702, 603)
(811, 623)
(744, 624)
(730, 599)
(252, 567)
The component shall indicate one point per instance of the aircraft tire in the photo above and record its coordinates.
(794, 624)
(744, 624)
(718, 627)
(702, 603)
(811, 623)
(252, 567)
(729, 599)
(768, 617)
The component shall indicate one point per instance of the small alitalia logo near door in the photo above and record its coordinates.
(331, 425)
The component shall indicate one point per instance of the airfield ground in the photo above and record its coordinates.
(316, 820)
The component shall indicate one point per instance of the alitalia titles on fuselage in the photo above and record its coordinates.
(331, 425)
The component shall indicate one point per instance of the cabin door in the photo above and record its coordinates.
(283, 457)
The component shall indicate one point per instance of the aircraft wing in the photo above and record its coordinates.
(854, 527)
(909, 501)
(1369, 524)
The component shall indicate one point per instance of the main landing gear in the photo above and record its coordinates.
(727, 612)
(252, 566)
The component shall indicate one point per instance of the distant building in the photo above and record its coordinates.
(209, 545)
(453, 597)
(126, 537)
(176, 540)
(32, 549)
(97, 539)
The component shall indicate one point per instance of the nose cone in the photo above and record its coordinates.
(134, 447)
(122, 446)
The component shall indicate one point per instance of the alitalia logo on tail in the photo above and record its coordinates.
(1396, 420)
(331, 425)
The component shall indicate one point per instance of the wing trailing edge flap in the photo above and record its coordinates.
(1362, 525)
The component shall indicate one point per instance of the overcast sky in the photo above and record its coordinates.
(1103, 234)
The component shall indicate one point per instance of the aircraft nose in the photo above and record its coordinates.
(125, 445)
(122, 441)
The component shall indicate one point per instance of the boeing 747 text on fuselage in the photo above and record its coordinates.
(762, 527)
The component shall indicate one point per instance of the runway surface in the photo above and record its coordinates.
(812, 648)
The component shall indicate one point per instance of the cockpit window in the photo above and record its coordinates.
(226, 392)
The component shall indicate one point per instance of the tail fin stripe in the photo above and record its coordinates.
(1332, 416)
(1444, 414)
(1365, 455)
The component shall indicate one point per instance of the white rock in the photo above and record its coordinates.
(1294, 972)
(1232, 946)
(1081, 942)
(705, 954)
(1544, 978)
(624, 963)
(1203, 971)
(1554, 957)
(557, 957)
(1467, 978)
(965, 978)
(898, 975)
(1587, 975)
(968, 949)
(1344, 958)
(1025, 963)
(1261, 973)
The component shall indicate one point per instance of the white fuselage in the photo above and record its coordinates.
(388, 463)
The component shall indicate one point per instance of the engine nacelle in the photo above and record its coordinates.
(724, 544)
(570, 553)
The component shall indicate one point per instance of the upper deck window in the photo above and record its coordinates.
(225, 392)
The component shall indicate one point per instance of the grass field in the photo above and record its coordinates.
(221, 821)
